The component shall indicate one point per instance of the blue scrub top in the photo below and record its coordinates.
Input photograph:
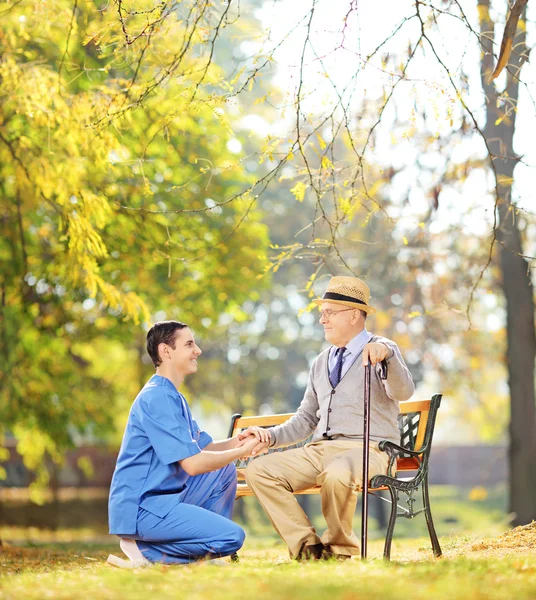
(160, 432)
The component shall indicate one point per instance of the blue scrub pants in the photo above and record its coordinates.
(198, 527)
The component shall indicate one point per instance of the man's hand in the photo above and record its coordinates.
(375, 352)
(251, 446)
(258, 433)
(262, 434)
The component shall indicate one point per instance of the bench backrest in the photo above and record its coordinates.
(416, 422)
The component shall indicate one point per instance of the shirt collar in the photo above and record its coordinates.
(355, 345)
(163, 381)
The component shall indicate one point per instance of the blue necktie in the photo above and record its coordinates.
(335, 375)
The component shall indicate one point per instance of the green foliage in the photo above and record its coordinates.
(119, 199)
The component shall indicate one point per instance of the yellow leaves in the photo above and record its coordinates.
(32, 444)
(508, 36)
(414, 314)
(373, 190)
(503, 117)
(4, 455)
(409, 133)
(262, 99)
(475, 363)
(85, 464)
(321, 141)
(405, 240)
(478, 494)
(237, 76)
(326, 163)
(299, 191)
(127, 303)
(220, 115)
(483, 13)
(505, 181)
(83, 238)
(347, 206)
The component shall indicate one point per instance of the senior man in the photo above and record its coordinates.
(332, 410)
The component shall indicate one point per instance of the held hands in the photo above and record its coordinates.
(375, 352)
(254, 440)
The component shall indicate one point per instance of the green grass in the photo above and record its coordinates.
(470, 569)
(69, 563)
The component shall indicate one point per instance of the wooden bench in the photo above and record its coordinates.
(416, 423)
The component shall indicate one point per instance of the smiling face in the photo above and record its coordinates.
(343, 324)
(180, 360)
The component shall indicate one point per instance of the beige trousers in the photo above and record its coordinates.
(337, 466)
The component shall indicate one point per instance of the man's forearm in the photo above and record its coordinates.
(219, 446)
(208, 460)
(399, 383)
(297, 428)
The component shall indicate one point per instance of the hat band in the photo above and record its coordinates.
(334, 296)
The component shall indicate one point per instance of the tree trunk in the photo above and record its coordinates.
(516, 282)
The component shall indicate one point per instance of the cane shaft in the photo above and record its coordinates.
(366, 438)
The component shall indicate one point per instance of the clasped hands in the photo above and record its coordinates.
(254, 441)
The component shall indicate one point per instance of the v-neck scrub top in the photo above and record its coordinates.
(160, 432)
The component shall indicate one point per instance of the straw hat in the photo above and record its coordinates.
(348, 291)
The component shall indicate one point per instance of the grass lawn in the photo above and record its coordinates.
(503, 567)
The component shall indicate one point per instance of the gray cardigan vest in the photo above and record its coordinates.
(337, 413)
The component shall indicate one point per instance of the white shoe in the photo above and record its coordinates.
(131, 549)
(128, 564)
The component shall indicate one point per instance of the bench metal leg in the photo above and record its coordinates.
(391, 525)
(429, 521)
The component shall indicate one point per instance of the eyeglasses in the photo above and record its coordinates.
(326, 314)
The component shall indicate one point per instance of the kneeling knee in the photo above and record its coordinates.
(239, 536)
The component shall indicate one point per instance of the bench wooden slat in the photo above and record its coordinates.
(410, 406)
(422, 429)
(262, 420)
(243, 490)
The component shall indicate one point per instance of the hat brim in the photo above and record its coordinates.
(364, 307)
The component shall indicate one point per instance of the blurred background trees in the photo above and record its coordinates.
(216, 163)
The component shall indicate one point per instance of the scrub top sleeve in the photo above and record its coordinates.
(167, 429)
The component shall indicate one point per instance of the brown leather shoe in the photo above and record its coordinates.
(312, 552)
(328, 554)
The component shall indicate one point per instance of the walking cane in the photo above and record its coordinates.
(366, 437)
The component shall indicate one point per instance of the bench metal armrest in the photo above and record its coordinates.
(392, 448)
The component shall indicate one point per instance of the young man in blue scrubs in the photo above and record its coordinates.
(173, 488)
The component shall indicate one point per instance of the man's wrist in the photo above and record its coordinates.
(390, 351)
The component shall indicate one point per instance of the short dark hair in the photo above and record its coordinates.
(163, 332)
(365, 315)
